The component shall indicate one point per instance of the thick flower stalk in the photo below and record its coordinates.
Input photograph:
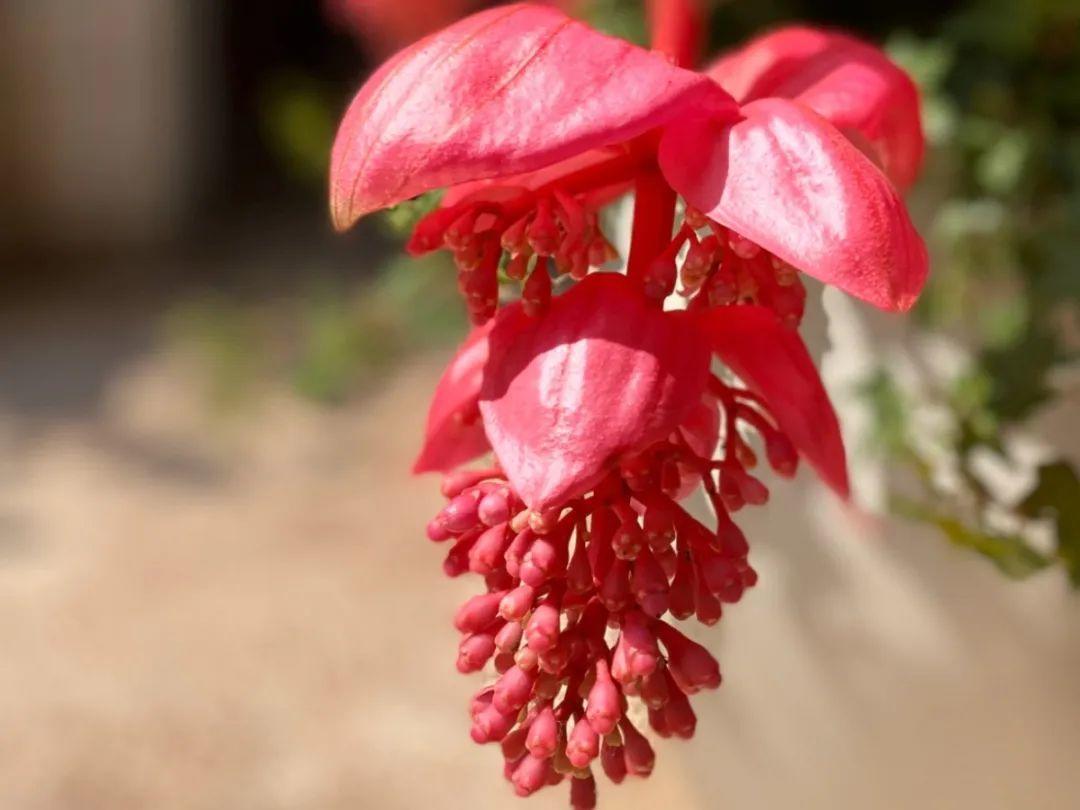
(601, 410)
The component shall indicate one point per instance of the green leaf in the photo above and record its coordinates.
(1056, 495)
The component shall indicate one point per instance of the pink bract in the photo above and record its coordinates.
(850, 83)
(504, 91)
(602, 373)
(786, 179)
(773, 361)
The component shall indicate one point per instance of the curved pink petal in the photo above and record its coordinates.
(786, 179)
(603, 372)
(849, 82)
(773, 361)
(504, 91)
(454, 433)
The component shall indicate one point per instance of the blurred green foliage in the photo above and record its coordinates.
(1001, 87)
(334, 342)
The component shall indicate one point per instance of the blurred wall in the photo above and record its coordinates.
(108, 120)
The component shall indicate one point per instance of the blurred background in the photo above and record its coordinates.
(214, 587)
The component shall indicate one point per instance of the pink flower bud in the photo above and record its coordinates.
(474, 651)
(681, 594)
(781, 454)
(753, 491)
(531, 775)
(486, 555)
(437, 532)
(731, 538)
(478, 613)
(460, 514)
(628, 540)
(526, 659)
(707, 607)
(517, 603)
(536, 292)
(639, 755)
(508, 639)
(659, 723)
(636, 654)
(718, 572)
(544, 560)
(494, 508)
(578, 575)
(691, 665)
(654, 688)
(679, 716)
(517, 549)
(513, 688)
(543, 736)
(583, 793)
(457, 559)
(457, 482)
(491, 725)
(730, 491)
(659, 526)
(583, 745)
(542, 629)
(603, 707)
(649, 585)
(613, 760)
(615, 589)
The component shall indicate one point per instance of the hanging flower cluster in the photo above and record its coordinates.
(601, 409)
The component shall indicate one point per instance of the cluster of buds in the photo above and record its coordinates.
(528, 235)
(575, 617)
(719, 268)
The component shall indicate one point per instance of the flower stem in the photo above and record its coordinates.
(654, 219)
(678, 28)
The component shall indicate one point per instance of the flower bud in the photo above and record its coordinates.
(478, 613)
(583, 793)
(508, 639)
(531, 775)
(486, 555)
(512, 689)
(649, 585)
(474, 651)
(639, 755)
(543, 735)
(542, 629)
(517, 603)
(603, 707)
(613, 758)
(691, 665)
(583, 745)
(679, 716)
(460, 514)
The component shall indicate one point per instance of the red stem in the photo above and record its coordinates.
(678, 28)
(654, 218)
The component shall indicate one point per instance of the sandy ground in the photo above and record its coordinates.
(197, 614)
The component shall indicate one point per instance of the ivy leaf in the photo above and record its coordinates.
(1056, 495)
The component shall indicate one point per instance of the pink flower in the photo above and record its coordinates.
(539, 109)
(602, 409)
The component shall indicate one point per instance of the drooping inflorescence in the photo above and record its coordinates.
(576, 616)
(599, 405)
